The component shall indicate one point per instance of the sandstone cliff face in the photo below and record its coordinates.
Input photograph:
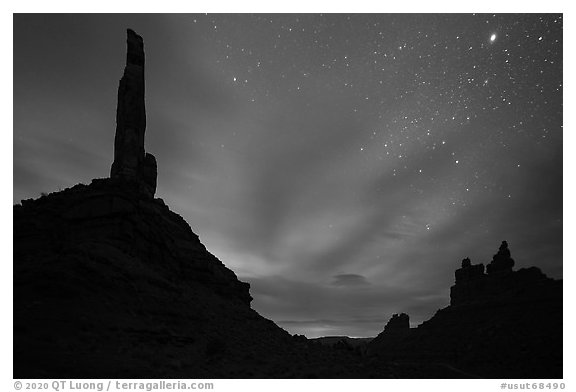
(502, 324)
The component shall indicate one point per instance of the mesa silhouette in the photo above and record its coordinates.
(110, 283)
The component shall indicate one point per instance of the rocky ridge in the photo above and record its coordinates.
(500, 324)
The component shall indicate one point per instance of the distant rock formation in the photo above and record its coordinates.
(393, 336)
(331, 341)
(398, 323)
(503, 324)
(469, 283)
(473, 285)
(501, 263)
(130, 160)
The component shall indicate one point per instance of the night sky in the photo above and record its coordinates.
(343, 165)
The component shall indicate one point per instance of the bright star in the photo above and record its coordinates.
(493, 38)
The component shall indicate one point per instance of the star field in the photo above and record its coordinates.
(422, 81)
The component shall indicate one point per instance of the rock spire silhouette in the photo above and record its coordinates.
(131, 162)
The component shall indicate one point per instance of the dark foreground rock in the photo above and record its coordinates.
(110, 283)
(504, 324)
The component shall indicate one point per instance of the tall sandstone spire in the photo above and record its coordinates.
(131, 162)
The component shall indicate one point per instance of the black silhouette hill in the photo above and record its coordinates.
(110, 283)
(500, 324)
